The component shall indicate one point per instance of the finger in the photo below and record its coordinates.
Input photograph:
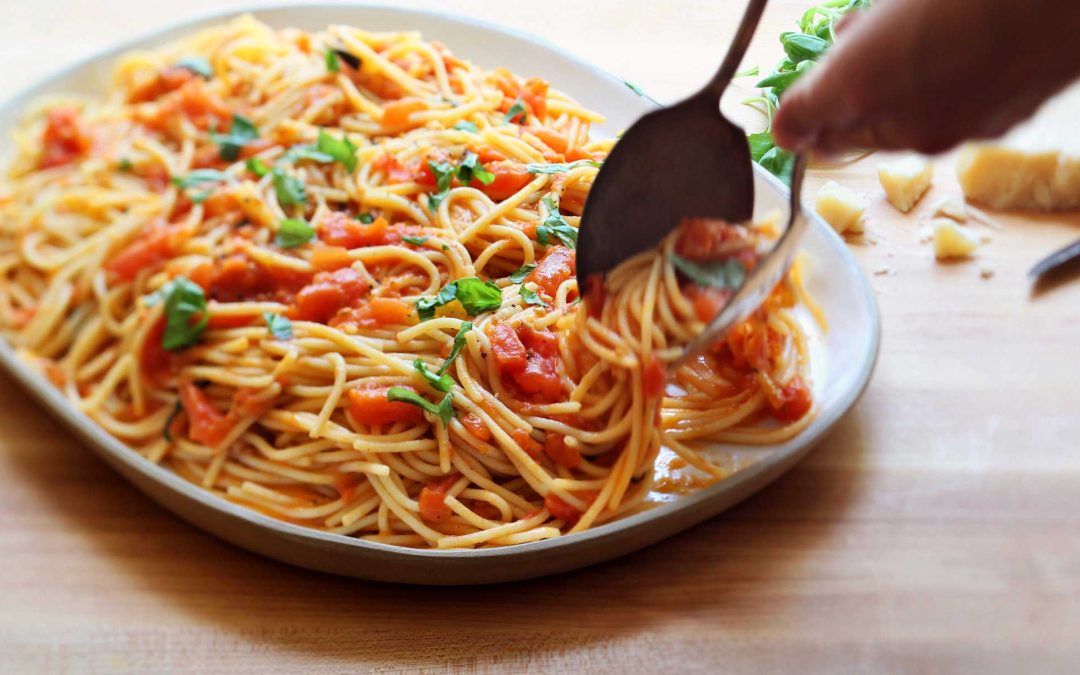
(809, 109)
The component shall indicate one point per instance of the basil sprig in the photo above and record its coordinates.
(444, 410)
(803, 48)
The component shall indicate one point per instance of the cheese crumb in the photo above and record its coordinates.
(954, 208)
(952, 240)
(841, 207)
(905, 181)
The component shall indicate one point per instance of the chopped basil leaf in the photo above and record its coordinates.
(240, 133)
(515, 111)
(305, 151)
(293, 232)
(257, 166)
(290, 190)
(749, 72)
(472, 168)
(332, 65)
(522, 272)
(201, 177)
(184, 301)
(125, 165)
(475, 296)
(554, 225)
(444, 411)
(459, 343)
(466, 125)
(530, 297)
(478, 296)
(343, 151)
(415, 241)
(279, 326)
(366, 218)
(425, 307)
(439, 381)
(561, 168)
(444, 174)
(633, 87)
(197, 65)
(727, 274)
(352, 61)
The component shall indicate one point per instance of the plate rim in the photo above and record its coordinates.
(114, 450)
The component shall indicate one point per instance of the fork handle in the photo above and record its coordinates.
(751, 17)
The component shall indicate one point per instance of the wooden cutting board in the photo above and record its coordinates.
(937, 529)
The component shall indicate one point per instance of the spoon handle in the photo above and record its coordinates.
(751, 16)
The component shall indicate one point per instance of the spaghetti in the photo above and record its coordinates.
(330, 276)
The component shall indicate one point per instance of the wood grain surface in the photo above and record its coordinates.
(938, 528)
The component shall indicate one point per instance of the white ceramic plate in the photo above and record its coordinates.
(842, 359)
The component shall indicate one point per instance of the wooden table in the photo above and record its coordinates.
(937, 528)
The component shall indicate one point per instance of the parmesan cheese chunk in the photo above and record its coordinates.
(905, 181)
(1035, 167)
(952, 240)
(841, 207)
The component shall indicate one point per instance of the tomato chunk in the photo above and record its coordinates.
(476, 426)
(556, 448)
(534, 94)
(653, 378)
(169, 79)
(707, 302)
(433, 508)
(338, 229)
(375, 313)
(330, 258)
(797, 401)
(329, 292)
(527, 443)
(557, 265)
(369, 405)
(563, 511)
(551, 138)
(154, 361)
(528, 360)
(65, 138)
(506, 348)
(206, 424)
(397, 115)
(154, 246)
(510, 178)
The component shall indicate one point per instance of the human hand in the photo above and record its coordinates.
(925, 75)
